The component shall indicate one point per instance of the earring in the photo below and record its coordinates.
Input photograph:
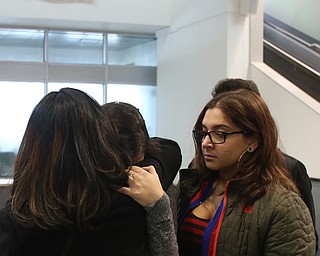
(240, 157)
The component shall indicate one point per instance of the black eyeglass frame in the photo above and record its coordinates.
(205, 134)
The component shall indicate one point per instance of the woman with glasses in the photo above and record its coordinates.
(240, 200)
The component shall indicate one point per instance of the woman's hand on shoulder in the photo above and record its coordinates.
(144, 185)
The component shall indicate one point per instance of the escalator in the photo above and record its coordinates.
(293, 54)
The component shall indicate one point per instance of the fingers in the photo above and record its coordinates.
(144, 185)
(136, 169)
(124, 190)
(131, 174)
(150, 169)
(133, 170)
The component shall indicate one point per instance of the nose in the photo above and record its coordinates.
(206, 141)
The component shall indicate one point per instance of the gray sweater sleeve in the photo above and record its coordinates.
(162, 236)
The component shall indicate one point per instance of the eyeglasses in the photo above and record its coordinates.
(216, 137)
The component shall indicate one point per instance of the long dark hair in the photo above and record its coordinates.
(257, 171)
(69, 164)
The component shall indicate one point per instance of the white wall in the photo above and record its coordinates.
(120, 15)
(296, 113)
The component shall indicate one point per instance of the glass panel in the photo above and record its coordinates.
(299, 14)
(292, 42)
(143, 97)
(130, 50)
(21, 45)
(17, 101)
(75, 47)
(94, 90)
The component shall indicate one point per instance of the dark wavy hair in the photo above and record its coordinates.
(69, 164)
(231, 84)
(259, 170)
(131, 128)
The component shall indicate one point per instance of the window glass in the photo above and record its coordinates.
(142, 97)
(75, 47)
(17, 101)
(131, 50)
(94, 90)
(21, 45)
(299, 14)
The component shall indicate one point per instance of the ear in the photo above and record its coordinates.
(253, 143)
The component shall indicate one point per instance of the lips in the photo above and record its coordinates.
(209, 156)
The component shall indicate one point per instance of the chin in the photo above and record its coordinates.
(212, 167)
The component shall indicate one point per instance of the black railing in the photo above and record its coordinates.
(293, 54)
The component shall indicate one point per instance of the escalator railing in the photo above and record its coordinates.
(293, 54)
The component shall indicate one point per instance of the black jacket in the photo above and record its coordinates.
(301, 178)
(166, 160)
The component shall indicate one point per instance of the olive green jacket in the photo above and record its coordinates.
(277, 224)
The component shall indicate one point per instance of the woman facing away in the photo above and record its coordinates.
(164, 154)
(67, 177)
(240, 199)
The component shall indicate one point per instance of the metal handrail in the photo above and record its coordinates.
(314, 46)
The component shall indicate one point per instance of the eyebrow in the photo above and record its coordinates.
(217, 127)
